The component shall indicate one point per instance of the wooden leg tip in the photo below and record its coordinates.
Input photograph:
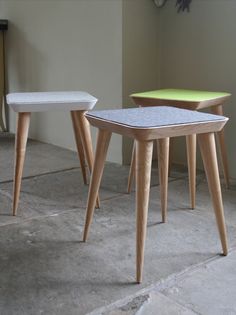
(138, 281)
(138, 278)
(164, 219)
(225, 252)
(85, 235)
(97, 206)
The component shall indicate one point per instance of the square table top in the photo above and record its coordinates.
(45, 101)
(158, 120)
(190, 99)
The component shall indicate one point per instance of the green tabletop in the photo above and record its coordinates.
(191, 99)
(182, 95)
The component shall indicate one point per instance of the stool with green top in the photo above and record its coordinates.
(187, 99)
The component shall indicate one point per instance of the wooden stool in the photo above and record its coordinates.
(146, 125)
(188, 99)
(26, 103)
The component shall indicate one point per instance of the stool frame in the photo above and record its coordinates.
(215, 104)
(83, 140)
(144, 146)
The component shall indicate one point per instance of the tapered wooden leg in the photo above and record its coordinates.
(86, 139)
(143, 175)
(20, 148)
(131, 170)
(208, 151)
(218, 110)
(79, 145)
(163, 168)
(191, 141)
(100, 156)
(171, 154)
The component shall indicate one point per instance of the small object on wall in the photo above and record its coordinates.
(3, 119)
(183, 5)
(159, 3)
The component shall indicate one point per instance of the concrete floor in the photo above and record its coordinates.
(46, 269)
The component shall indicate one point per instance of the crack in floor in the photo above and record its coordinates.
(129, 302)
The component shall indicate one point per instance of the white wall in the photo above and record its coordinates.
(65, 45)
(199, 52)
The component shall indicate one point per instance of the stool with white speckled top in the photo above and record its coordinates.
(146, 125)
(25, 103)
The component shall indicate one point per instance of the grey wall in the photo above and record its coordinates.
(199, 52)
(112, 48)
(65, 45)
(141, 53)
(109, 48)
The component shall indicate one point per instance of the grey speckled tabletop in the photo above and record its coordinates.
(151, 117)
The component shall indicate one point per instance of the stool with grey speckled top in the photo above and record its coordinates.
(77, 102)
(146, 125)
